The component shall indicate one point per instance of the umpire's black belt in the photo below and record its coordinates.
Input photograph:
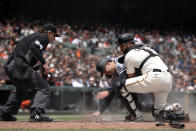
(159, 70)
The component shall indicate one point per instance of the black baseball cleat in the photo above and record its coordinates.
(131, 118)
(40, 118)
(8, 118)
(38, 115)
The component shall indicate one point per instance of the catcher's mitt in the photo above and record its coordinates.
(179, 116)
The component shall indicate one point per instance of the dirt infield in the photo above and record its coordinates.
(88, 125)
(87, 122)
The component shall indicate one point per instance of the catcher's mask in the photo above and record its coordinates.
(126, 37)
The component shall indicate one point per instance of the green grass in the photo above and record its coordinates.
(93, 130)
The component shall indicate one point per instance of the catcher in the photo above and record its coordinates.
(146, 73)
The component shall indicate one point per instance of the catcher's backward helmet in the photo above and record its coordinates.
(101, 65)
(126, 37)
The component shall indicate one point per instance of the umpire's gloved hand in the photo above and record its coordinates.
(45, 69)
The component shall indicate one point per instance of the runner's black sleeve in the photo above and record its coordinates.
(104, 103)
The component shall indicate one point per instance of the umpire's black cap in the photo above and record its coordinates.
(50, 27)
(126, 37)
(101, 65)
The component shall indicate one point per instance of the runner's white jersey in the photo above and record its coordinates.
(120, 64)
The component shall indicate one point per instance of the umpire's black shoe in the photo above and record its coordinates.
(37, 115)
(9, 118)
(6, 117)
(40, 118)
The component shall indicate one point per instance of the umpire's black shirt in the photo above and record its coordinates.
(30, 48)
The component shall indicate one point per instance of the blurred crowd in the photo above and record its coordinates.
(72, 57)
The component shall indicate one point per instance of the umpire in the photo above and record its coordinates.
(19, 67)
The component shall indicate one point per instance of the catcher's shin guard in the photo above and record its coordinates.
(128, 100)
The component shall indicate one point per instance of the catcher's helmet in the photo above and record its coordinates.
(101, 65)
(126, 37)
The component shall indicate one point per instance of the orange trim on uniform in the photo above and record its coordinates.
(137, 81)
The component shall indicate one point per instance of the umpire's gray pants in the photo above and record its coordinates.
(37, 84)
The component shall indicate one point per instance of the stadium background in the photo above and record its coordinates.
(88, 30)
